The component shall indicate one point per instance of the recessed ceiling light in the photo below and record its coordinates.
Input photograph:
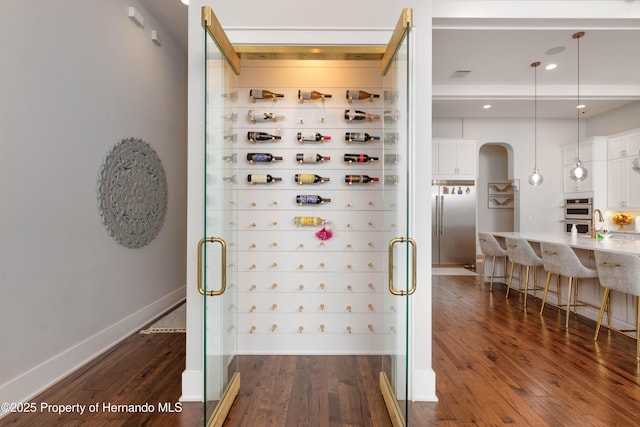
(551, 67)
(581, 106)
(486, 106)
(185, 2)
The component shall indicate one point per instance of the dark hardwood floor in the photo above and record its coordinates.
(495, 364)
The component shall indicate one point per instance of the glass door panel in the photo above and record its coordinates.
(220, 367)
(400, 269)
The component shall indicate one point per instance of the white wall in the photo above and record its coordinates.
(77, 77)
(539, 207)
(619, 120)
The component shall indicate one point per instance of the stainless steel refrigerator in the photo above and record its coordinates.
(453, 222)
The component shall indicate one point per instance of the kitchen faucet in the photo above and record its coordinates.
(593, 221)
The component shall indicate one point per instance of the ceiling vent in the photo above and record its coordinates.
(459, 74)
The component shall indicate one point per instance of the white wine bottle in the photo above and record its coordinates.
(311, 158)
(264, 94)
(307, 220)
(305, 95)
(262, 178)
(258, 116)
(309, 178)
(360, 95)
(351, 115)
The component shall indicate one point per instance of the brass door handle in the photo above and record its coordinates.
(414, 263)
(223, 270)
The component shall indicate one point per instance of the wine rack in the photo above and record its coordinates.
(316, 296)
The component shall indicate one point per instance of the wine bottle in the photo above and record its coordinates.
(360, 95)
(264, 94)
(309, 178)
(311, 94)
(311, 137)
(307, 220)
(311, 158)
(262, 158)
(262, 136)
(351, 115)
(310, 199)
(259, 116)
(359, 158)
(262, 178)
(360, 137)
(359, 179)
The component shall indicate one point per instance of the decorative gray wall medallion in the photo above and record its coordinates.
(132, 193)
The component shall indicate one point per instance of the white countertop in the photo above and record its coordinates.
(582, 242)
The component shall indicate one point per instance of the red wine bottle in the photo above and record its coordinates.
(359, 158)
(311, 94)
(262, 178)
(262, 158)
(359, 179)
(311, 137)
(351, 115)
(361, 95)
(360, 137)
(311, 199)
(262, 137)
(311, 158)
(264, 94)
(309, 178)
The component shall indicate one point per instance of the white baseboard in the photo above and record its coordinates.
(424, 386)
(192, 386)
(30, 383)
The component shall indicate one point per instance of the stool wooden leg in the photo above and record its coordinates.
(526, 285)
(510, 277)
(566, 323)
(493, 272)
(605, 299)
(638, 329)
(546, 289)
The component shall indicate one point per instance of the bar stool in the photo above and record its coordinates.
(620, 272)
(520, 252)
(489, 246)
(561, 260)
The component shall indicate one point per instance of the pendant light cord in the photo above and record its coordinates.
(535, 117)
(579, 35)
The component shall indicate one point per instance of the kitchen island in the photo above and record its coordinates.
(590, 291)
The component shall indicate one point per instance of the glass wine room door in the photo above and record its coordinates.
(300, 287)
(401, 268)
(216, 272)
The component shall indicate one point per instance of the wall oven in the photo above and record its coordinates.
(583, 226)
(578, 208)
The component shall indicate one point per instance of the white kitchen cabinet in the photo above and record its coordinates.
(454, 158)
(622, 185)
(622, 182)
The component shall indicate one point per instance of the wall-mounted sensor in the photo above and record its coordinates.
(155, 36)
(136, 17)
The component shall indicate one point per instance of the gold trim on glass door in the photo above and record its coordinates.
(223, 269)
(404, 25)
(211, 23)
(414, 263)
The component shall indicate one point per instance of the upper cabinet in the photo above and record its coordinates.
(622, 181)
(454, 158)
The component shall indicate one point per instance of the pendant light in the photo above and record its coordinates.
(535, 178)
(578, 172)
